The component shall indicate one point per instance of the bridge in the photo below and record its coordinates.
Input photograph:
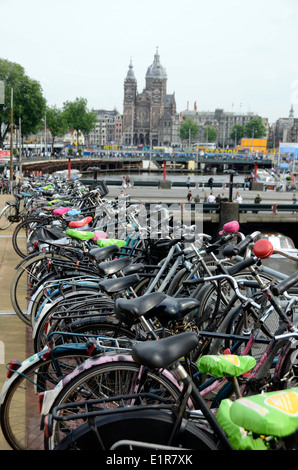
(136, 162)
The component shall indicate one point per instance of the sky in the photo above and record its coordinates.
(231, 54)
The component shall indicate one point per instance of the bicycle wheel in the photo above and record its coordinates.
(67, 318)
(116, 377)
(6, 216)
(28, 276)
(288, 374)
(138, 429)
(22, 237)
(51, 288)
(210, 303)
(19, 412)
(236, 325)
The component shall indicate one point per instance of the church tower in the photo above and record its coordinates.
(130, 94)
(156, 84)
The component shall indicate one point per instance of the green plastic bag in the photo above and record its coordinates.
(239, 438)
(227, 365)
(272, 414)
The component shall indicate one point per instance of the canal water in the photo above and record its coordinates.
(178, 177)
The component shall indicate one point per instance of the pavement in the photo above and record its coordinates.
(14, 335)
(178, 194)
(13, 331)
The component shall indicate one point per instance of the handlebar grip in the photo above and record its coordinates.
(199, 280)
(232, 250)
(167, 243)
(241, 265)
(284, 285)
(215, 246)
(229, 250)
(244, 244)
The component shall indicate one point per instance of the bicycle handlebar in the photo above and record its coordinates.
(241, 265)
(284, 285)
(225, 277)
(232, 250)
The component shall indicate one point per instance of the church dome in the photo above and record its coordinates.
(156, 70)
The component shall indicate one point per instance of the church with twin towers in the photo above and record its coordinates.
(147, 116)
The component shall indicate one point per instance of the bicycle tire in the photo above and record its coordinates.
(289, 370)
(207, 295)
(21, 247)
(140, 426)
(7, 211)
(21, 400)
(236, 327)
(61, 306)
(43, 292)
(110, 379)
(29, 273)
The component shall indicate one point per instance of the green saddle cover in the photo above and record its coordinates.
(110, 241)
(272, 414)
(227, 365)
(239, 438)
(53, 202)
(80, 234)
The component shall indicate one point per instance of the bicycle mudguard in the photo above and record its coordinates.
(34, 359)
(50, 395)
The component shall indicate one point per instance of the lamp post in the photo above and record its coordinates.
(11, 141)
(231, 173)
(252, 140)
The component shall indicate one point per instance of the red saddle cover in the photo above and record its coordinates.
(80, 223)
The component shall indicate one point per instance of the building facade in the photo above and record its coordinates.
(222, 121)
(147, 116)
(107, 130)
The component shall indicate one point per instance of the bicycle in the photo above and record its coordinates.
(11, 212)
(38, 373)
(256, 380)
(168, 426)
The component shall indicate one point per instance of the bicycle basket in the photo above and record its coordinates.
(159, 249)
(102, 186)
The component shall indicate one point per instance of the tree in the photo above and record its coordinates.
(28, 101)
(77, 117)
(237, 133)
(255, 129)
(210, 134)
(188, 130)
(55, 121)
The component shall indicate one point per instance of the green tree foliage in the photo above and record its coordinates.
(55, 121)
(28, 101)
(255, 129)
(237, 133)
(77, 117)
(210, 134)
(188, 130)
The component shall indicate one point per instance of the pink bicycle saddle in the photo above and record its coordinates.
(61, 211)
(98, 235)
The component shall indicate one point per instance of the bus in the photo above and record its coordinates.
(204, 146)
